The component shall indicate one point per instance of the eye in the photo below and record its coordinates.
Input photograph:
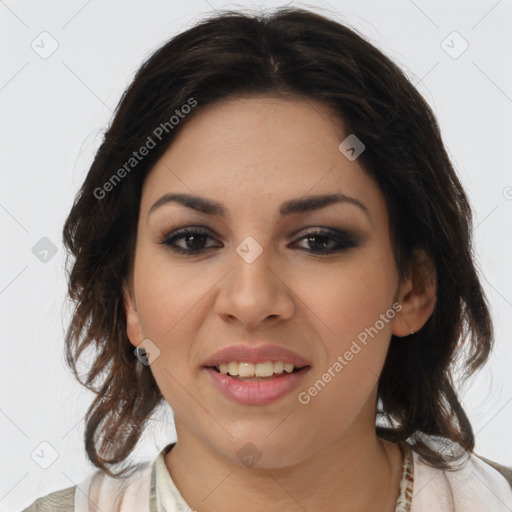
(193, 240)
(321, 241)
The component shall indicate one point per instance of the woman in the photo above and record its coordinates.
(273, 224)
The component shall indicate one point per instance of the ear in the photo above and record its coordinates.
(417, 294)
(133, 325)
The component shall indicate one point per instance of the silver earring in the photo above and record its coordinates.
(140, 354)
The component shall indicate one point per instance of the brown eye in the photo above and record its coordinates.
(193, 240)
(327, 242)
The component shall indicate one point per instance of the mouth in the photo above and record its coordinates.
(256, 378)
(254, 390)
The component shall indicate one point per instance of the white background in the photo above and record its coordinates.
(53, 112)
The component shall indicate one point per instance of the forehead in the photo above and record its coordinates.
(241, 150)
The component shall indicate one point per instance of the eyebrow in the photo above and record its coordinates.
(290, 207)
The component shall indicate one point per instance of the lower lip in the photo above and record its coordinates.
(256, 392)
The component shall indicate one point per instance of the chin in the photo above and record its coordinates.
(260, 452)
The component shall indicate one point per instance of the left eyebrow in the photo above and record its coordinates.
(290, 207)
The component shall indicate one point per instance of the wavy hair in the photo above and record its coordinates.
(288, 53)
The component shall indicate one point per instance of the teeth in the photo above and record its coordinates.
(266, 369)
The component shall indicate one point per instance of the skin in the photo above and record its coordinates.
(252, 154)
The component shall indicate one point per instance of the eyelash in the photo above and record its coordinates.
(344, 239)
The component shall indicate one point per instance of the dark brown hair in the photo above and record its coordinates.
(299, 54)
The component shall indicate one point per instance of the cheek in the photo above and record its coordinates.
(166, 293)
(169, 299)
(348, 300)
(354, 306)
(344, 388)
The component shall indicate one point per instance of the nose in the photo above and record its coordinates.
(254, 294)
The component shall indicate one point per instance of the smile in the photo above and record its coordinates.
(256, 390)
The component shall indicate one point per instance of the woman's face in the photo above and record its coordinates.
(255, 278)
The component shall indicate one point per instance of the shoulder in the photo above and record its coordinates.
(99, 491)
(58, 501)
(506, 471)
(476, 485)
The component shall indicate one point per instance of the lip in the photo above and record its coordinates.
(256, 354)
(256, 392)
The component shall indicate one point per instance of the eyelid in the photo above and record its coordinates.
(344, 239)
(330, 231)
(334, 232)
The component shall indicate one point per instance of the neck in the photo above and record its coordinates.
(356, 473)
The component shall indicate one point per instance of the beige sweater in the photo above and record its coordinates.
(479, 486)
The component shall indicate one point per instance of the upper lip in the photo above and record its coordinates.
(256, 354)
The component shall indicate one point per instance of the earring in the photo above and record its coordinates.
(140, 354)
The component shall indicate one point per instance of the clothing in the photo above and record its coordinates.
(479, 486)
